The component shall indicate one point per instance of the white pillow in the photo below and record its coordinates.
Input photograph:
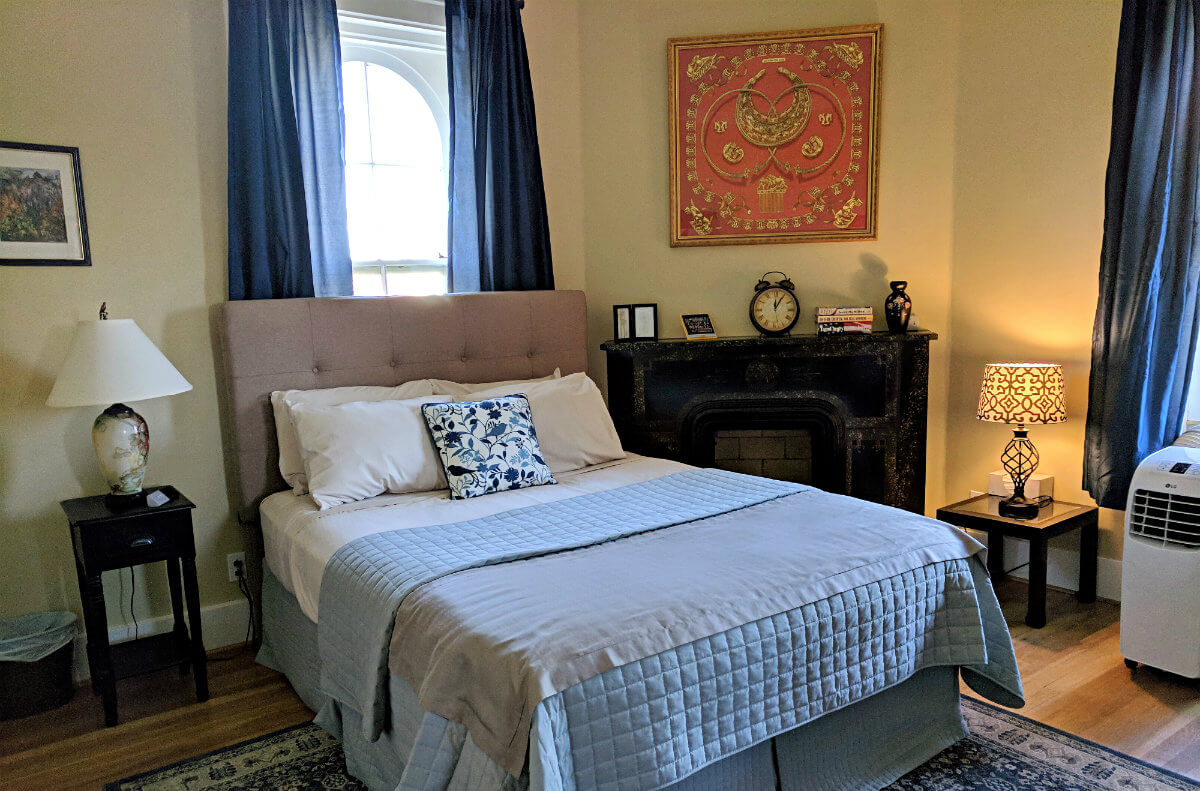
(291, 463)
(573, 426)
(364, 448)
(451, 388)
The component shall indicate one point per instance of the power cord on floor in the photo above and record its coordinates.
(239, 571)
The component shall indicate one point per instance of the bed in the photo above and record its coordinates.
(610, 650)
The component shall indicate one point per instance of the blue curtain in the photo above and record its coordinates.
(287, 180)
(499, 233)
(1146, 320)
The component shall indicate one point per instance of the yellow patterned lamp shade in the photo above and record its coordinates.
(1023, 393)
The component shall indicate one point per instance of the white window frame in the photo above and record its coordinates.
(385, 41)
(1191, 409)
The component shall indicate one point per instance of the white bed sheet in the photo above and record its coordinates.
(299, 538)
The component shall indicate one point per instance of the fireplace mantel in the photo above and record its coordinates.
(864, 397)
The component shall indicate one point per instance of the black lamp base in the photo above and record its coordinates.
(1017, 507)
(123, 502)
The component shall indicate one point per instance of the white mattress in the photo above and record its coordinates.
(299, 539)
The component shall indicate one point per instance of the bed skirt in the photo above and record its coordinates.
(866, 745)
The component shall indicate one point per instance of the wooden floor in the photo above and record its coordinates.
(1076, 680)
(1072, 669)
(161, 723)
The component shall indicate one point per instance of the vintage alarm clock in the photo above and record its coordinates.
(774, 308)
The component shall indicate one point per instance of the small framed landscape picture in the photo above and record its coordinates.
(698, 326)
(645, 322)
(622, 322)
(42, 221)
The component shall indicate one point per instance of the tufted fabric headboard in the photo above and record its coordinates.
(286, 344)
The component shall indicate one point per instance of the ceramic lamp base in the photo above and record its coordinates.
(122, 443)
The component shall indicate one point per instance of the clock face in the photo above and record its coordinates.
(774, 310)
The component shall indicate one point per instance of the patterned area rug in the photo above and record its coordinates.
(1004, 752)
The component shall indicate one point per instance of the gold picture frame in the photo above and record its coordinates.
(774, 137)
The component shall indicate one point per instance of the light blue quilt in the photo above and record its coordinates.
(649, 723)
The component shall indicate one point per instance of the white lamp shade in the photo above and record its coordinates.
(111, 361)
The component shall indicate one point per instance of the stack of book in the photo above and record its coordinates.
(843, 321)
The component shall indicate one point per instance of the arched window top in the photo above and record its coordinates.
(388, 121)
(395, 178)
(397, 144)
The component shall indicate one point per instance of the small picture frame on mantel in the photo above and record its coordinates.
(698, 326)
(645, 322)
(622, 322)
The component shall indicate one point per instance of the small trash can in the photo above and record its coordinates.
(36, 657)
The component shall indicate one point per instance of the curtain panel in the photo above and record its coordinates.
(287, 183)
(1144, 337)
(499, 232)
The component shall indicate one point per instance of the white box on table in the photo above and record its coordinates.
(999, 483)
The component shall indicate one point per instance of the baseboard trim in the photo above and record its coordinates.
(224, 625)
(1062, 567)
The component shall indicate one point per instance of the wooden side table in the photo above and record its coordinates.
(982, 513)
(104, 539)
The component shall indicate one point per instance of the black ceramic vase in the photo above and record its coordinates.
(897, 307)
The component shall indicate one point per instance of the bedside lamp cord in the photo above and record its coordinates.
(132, 590)
(244, 587)
(245, 591)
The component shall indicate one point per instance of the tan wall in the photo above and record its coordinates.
(142, 94)
(994, 138)
(993, 148)
(551, 36)
(1030, 154)
(625, 177)
(139, 87)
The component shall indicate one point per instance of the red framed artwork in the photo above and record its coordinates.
(774, 136)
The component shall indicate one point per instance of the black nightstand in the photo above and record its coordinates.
(105, 539)
(982, 513)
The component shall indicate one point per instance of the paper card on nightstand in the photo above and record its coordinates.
(999, 483)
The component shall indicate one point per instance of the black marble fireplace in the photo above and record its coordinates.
(845, 413)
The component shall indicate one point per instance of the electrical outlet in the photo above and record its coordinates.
(235, 557)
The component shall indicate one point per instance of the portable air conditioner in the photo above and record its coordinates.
(1160, 574)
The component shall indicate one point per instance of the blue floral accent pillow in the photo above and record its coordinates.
(487, 446)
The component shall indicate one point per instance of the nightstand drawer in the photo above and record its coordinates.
(137, 540)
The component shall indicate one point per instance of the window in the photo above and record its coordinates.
(1191, 412)
(397, 143)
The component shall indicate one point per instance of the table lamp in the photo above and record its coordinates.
(1020, 394)
(109, 362)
